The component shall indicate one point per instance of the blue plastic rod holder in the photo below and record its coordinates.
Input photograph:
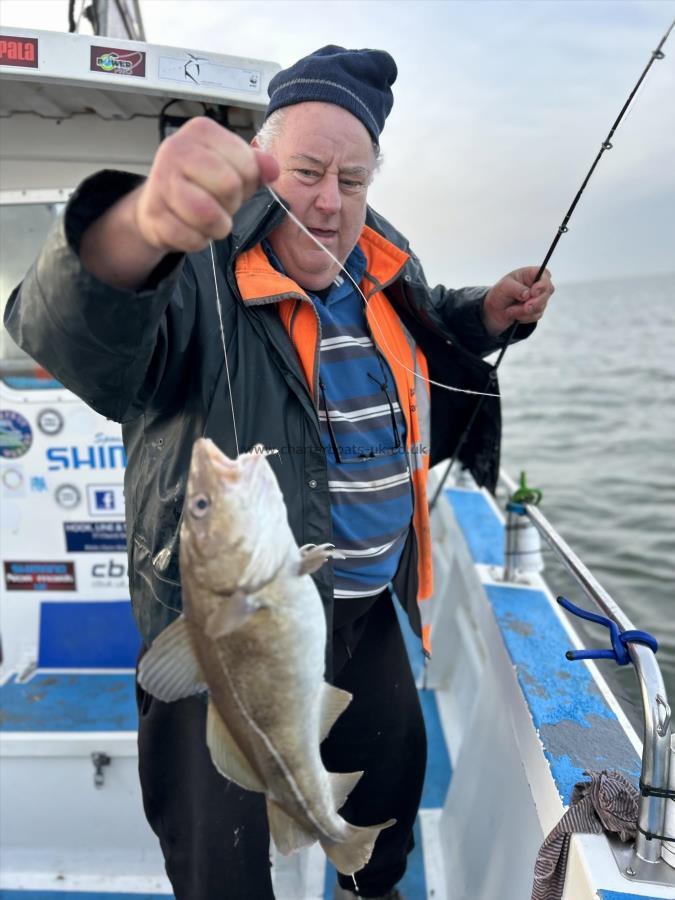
(620, 639)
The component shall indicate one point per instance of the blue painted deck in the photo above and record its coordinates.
(613, 895)
(483, 530)
(578, 728)
(60, 702)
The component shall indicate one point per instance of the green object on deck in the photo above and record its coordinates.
(526, 494)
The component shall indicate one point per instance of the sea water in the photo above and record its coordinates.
(589, 414)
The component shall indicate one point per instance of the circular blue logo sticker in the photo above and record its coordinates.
(16, 436)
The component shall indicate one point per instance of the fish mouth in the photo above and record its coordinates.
(208, 455)
(210, 458)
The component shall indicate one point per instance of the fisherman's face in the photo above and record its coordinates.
(327, 161)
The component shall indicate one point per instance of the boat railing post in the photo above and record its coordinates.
(657, 730)
(512, 519)
(656, 756)
(522, 550)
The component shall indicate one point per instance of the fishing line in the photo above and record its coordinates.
(562, 229)
(657, 54)
(318, 243)
(222, 336)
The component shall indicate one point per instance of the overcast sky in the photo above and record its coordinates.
(500, 107)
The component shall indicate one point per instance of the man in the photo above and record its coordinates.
(124, 306)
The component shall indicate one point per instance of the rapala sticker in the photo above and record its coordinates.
(114, 61)
(40, 576)
(105, 499)
(50, 421)
(95, 537)
(16, 435)
(18, 51)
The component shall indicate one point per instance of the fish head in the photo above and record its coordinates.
(235, 532)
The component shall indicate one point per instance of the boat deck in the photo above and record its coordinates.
(504, 709)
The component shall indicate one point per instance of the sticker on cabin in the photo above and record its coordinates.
(13, 481)
(109, 573)
(50, 421)
(16, 435)
(67, 496)
(105, 499)
(95, 537)
(108, 454)
(114, 61)
(40, 576)
(18, 51)
(200, 70)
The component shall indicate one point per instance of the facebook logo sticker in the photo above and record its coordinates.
(105, 500)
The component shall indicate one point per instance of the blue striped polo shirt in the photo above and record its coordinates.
(364, 435)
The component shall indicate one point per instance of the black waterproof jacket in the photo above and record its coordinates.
(153, 360)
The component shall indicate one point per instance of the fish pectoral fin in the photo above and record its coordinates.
(170, 670)
(341, 785)
(287, 835)
(226, 755)
(353, 853)
(334, 702)
(234, 610)
(312, 557)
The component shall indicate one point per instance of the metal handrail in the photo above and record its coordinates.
(656, 711)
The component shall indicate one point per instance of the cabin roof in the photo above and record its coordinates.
(60, 75)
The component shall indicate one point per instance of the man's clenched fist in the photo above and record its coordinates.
(199, 178)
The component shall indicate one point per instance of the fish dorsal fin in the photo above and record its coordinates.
(226, 755)
(170, 670)
(287, 835)
(353, 853)
(341, 785)
(333, 703)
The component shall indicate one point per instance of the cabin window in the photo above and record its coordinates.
(23, 229)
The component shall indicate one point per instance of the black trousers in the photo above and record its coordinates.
(214, 835)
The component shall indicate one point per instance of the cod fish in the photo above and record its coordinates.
(253, 632)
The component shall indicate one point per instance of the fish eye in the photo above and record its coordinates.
(199, 506)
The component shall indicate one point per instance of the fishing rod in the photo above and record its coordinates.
(657, 54)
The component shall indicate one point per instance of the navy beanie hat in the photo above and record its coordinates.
(358, 80)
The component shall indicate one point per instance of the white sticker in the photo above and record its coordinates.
(50, 421)
(67, 496)
(13, 481)
(200, 70)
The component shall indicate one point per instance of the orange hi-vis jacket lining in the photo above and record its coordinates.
(259, 283)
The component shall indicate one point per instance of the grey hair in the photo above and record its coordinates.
(272, 127)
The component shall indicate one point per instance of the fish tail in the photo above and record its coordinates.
(353, 853)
